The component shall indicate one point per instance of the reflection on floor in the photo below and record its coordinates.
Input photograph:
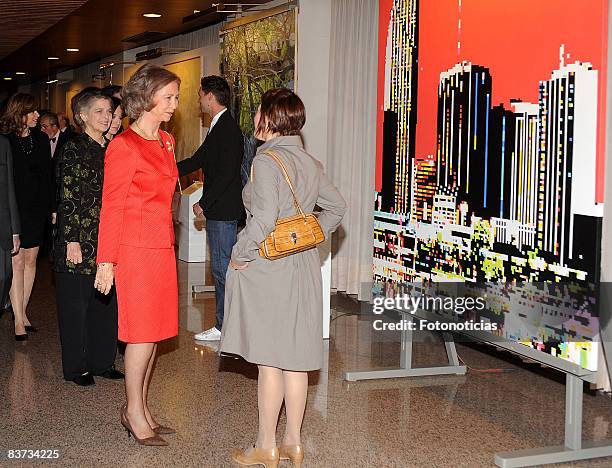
(426, 422)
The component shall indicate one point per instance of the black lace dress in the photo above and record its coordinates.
(32, 167)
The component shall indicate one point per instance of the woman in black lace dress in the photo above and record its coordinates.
(87, 319)
(35, 199)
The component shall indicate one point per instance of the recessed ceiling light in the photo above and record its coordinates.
(52, 58)
(19, 73)
(151, 15)
(72, 50)
(7, 78)
(52, 81)
(196, 12)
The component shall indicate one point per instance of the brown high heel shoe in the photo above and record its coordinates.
(163, 430)
(266, 457)
(295, 453)
(153, 441)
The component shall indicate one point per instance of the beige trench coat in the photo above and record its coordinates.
(273, 308)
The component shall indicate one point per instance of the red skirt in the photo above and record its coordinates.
(147, 294)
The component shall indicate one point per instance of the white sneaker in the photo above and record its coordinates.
(212, 334)
(208, 346)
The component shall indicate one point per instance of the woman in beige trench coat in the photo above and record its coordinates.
(273, 308)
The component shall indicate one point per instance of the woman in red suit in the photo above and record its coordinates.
(136, 238)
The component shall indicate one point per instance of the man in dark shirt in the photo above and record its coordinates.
(65, 126)
(49, 123)
(220, 158)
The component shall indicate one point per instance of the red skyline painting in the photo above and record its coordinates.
(518, 41)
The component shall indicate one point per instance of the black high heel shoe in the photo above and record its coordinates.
(21, 337)
(28, 328)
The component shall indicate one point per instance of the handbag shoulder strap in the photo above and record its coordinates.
(276, 158)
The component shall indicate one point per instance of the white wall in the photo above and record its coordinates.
(605, 311)
(313, 47)
(314, 30)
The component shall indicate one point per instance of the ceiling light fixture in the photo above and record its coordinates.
(52, 81)
(151, 15)
(72, 50)
(52, 58)
(104, 65)
(19, 73)
(199, 14)
(7, 78)
(238, 7)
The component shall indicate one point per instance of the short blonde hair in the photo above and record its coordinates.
(137, 94)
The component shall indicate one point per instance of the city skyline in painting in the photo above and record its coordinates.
(488, 171)
(526, 172)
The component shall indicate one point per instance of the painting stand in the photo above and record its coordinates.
(573, 449)
(201, 288)
(405, 369)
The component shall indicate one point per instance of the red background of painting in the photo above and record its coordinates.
(517, 40)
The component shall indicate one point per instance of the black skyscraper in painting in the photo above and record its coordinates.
(464, 102)
(502, 124)
(388, 163)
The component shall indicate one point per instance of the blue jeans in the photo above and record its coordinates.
(221, 238)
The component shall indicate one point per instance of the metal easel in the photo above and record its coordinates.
(405, 368)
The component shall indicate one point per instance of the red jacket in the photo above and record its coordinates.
(139, 182)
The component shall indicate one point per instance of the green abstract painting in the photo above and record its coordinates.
(256, 57)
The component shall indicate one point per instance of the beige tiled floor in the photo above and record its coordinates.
(427, 422)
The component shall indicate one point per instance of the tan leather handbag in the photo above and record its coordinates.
(293, 234)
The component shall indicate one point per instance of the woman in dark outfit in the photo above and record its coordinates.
(115, 127)
(33, 190)
(87, 319)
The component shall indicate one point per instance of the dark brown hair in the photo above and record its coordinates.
(218, 86)
(116, 103)
(18, 106)
(281, 111)
(137, 94)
